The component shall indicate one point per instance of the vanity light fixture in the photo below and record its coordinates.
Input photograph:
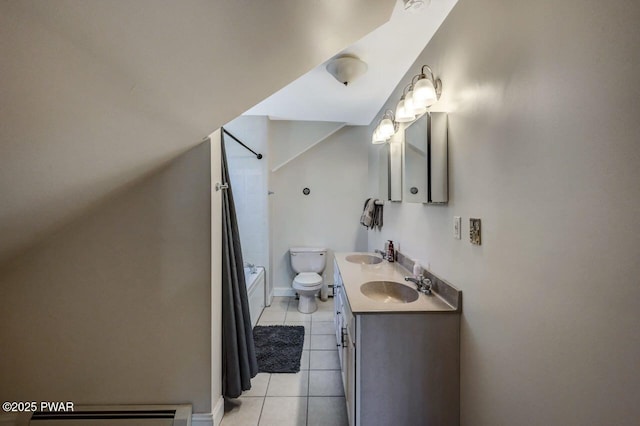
(403, 114)
(423, 91)
(417, 108)
(387, 126)
(376, 138)
(427, 90)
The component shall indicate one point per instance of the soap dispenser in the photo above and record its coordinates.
(391, 254)
(417, 269)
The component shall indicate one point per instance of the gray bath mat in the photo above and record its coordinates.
(278, 348)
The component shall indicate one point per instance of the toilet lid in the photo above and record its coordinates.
(308, 279)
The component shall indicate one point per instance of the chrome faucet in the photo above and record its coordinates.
(382, 253)
(424, 284)
(252, 268)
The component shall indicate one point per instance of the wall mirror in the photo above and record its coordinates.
(425, 160)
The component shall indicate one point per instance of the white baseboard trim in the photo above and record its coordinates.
(218, 411)
(209, 419)
(202, 419)
(284, 292)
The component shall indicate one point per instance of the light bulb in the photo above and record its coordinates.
(408, 103)
(424, 94)
(402, 115)
(376, 138)
(386, 128)
(417, 108)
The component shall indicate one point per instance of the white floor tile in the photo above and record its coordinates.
(325, 383)
(324, 360)
(279, 303)
(269, 323)
(322, 316)
(306, 325)
(323, 327)
(323, 342)
(272, 316)
(283, 411)
(327, 411)
(307, 341)
(258, 385)
(325, 306)
(298, 316)
(289, 384)
(304, 360)
(244, 411)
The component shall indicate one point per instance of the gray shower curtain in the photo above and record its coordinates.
(239, 362)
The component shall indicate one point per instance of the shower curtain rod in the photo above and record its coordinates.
(258, 156)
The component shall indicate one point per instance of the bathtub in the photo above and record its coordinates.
(255, 292)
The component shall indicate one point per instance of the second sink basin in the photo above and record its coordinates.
(389, 292)
(364, 259)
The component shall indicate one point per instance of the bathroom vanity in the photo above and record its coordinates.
(399, 349)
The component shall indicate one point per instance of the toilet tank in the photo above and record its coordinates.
(308, 259)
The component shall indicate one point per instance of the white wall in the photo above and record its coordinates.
(292, 138)
(249, 183)
(336, 173)
(543, 125)
(116, 307)
(217, 402)
(97, 94)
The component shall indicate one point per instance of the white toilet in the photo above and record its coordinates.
(308, 263)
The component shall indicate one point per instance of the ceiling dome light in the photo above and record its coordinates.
(346, 68)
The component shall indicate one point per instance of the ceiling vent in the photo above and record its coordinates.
(346, 68)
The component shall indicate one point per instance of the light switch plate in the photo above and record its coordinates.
(474, 231)
(457, 227)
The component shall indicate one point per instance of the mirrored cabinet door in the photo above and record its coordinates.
(395, 167)
(416, 161)
(438, 159)
(425, 159)
(384, 176)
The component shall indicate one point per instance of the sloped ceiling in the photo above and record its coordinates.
(95, 94)
(389, 51)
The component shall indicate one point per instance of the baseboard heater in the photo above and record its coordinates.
(146, 415)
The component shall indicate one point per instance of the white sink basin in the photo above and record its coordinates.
(363, 259)
(389, 292)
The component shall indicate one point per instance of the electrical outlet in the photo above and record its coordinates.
(474, 231)
(457, 227)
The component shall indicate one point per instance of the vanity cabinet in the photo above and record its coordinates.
(398, 368)
(345, 340)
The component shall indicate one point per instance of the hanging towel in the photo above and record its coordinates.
(367, 217)
(372, 214)
(377, 215)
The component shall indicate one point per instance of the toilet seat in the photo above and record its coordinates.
(307, 279)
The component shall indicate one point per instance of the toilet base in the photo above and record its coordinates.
(307, 301)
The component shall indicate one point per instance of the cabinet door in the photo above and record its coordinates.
(349, 376)
(337, 302)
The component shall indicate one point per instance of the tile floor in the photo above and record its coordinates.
(312, 397)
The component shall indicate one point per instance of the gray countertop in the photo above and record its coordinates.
(355, 274)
